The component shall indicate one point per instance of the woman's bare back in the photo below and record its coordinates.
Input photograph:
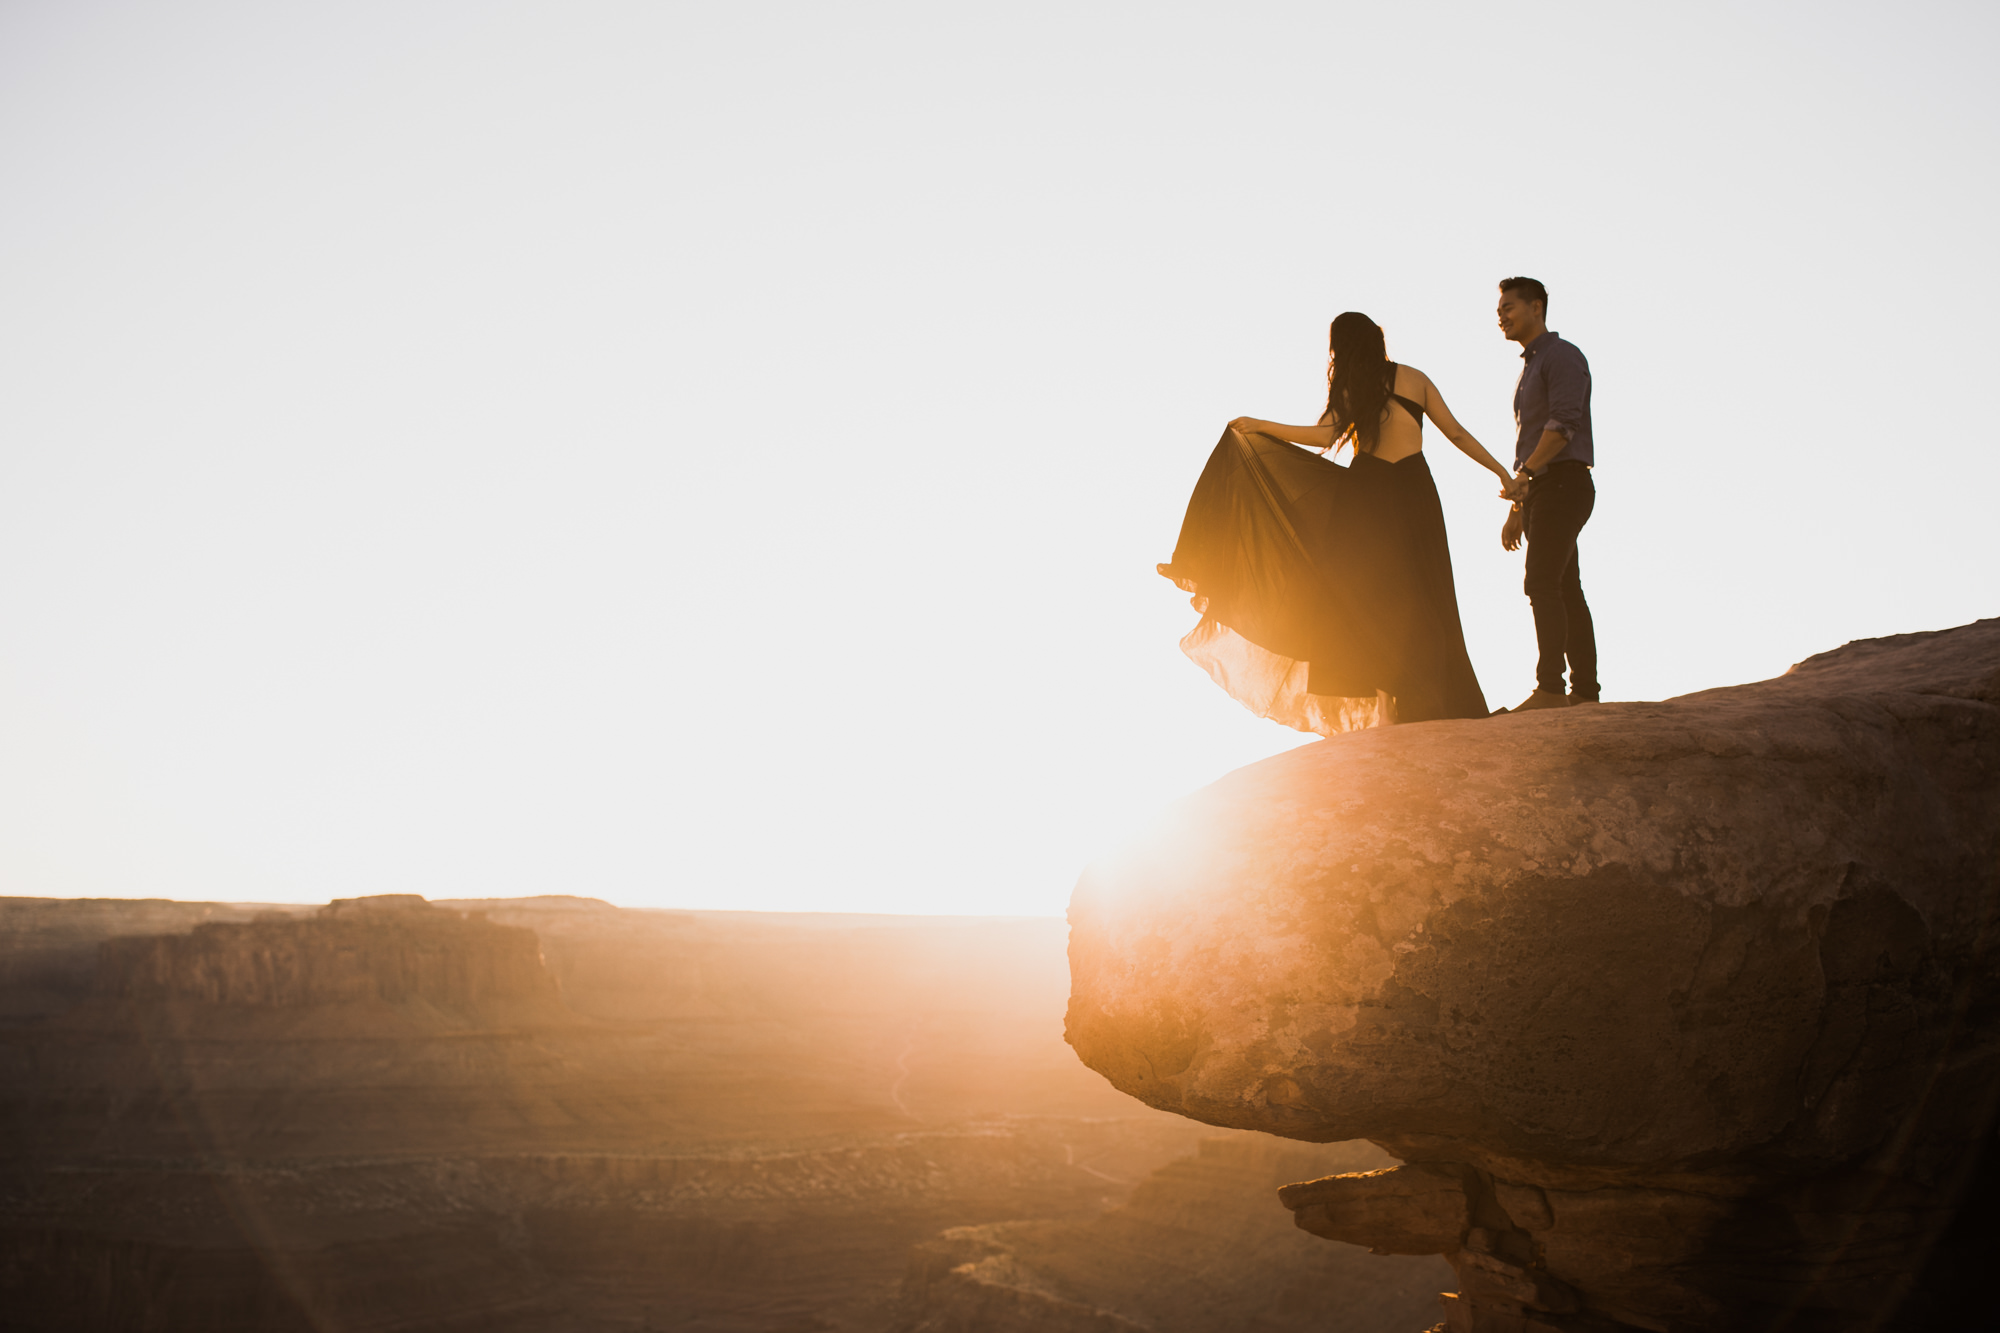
(1403, 434)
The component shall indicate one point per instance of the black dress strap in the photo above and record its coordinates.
(1416, 410)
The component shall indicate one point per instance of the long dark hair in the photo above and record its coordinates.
(1357, 380)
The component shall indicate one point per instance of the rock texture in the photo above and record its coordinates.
(1682, 1015)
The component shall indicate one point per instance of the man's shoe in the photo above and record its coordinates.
(1541, 699)
(1576, 699)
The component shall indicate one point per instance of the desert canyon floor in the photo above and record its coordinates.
(555, 1115)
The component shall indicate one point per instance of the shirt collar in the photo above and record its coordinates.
(1548, 336)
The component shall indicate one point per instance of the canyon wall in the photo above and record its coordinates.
(49, 946)
(395, 948)
(1680, 1015)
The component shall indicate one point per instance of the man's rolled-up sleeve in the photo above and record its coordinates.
(1567, 378)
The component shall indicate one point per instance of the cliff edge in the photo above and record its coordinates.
(1680, 1014)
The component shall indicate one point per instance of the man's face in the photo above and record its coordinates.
(1518, 317)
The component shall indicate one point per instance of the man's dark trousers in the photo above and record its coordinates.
(1559, 504)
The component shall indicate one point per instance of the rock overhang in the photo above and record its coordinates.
(1681, 1014)
(1437, 929)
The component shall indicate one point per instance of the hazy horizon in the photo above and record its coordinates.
(716, 458)
(797, 915)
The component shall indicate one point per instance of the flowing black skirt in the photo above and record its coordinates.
(1320, 585)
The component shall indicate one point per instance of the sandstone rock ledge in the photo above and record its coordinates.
(1681, 1015)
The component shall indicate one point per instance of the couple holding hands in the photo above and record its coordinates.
(1326, 591)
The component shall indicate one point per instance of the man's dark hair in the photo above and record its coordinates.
(1529, 290)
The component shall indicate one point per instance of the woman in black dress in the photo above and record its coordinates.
(1325, 591)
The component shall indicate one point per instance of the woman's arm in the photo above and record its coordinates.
(1435, 409)
(1312, 437)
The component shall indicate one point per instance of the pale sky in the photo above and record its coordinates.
(716, 455)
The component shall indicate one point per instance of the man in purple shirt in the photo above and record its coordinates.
(1553, 456)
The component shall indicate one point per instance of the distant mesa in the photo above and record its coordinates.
(541, 902)
(1680, 1015)
(378, 904)
(390, 948)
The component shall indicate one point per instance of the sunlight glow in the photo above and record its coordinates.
(717, 457)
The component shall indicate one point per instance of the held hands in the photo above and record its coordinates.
(1514, 489)
(1245, 425)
